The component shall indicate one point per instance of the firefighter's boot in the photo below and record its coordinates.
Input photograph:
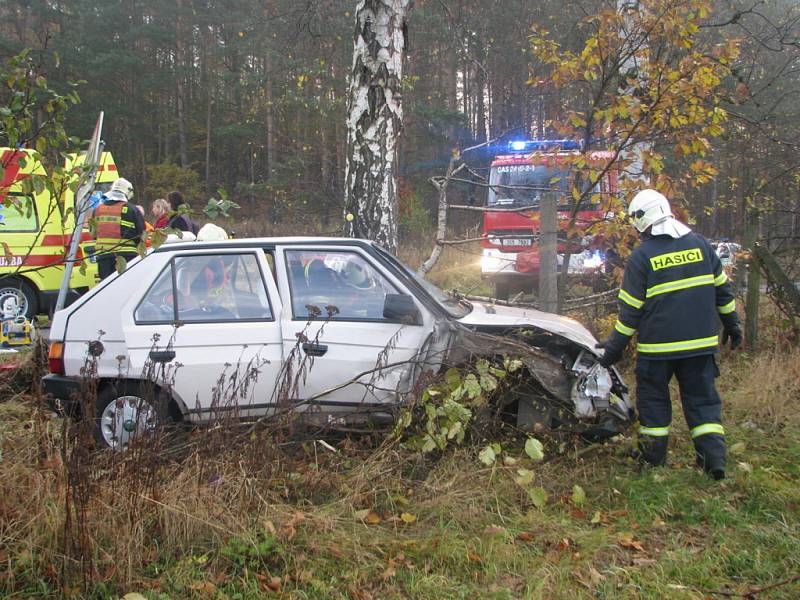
(710, 451)
(653, 450)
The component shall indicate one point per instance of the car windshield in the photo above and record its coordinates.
(525, 185)
(454, 306)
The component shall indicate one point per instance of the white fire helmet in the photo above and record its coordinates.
(647, 208)
(123, 186)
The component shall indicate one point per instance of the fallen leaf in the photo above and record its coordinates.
(564, 543)
(578, 495)
(538, 496)
(626, 540)
(133, 596)
(638, 561)
(474, 557)
(525, 536)
(746, 467)
(203, 586)
(534, 449)
(487, 456)
(524, 477)
(390, 571)
(368, 516)
(738, 448)
(408, 517)
(289, 529)
(494, 530)
(597, 518)
(274, 584)
(596, 576)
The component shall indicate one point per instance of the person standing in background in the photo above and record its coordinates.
(160, 211)
(179, 221)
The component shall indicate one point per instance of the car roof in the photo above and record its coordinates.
(260, 241)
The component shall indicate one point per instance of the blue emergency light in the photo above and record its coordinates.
(520, 146)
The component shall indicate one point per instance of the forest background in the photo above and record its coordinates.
(250, 96)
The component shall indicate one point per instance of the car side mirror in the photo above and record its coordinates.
(401, 307)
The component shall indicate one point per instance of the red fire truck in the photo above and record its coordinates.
(519, 179)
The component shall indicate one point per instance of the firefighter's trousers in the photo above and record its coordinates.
(701, 407)
(107, 262)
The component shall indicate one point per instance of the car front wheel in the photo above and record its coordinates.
(123, 414)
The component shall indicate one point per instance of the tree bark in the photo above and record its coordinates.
(375, 118)
(441, 214)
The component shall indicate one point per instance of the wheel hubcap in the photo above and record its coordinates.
(124, 419)
(10, 292)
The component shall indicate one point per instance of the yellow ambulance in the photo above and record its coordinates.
(35, 232)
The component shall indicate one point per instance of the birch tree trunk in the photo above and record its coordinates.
(374, 121)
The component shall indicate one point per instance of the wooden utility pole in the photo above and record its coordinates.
(548, 240)
(753, 281)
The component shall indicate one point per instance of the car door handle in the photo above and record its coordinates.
(314, 349)
(162, 356)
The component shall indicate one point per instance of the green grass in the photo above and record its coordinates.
(647, 533)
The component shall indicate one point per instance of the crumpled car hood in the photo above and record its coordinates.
(486, 314)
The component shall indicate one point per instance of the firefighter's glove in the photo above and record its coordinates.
(610, 356)
(734, 334)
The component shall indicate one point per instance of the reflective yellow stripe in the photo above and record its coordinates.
(624, 330)
(654, 431)
(628, 299)
(678, 346)
(107, 219)
(679, 284)
(126, 224)
(727, 308)
(720, 279)
(707, 428)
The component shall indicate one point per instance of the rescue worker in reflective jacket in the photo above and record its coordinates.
(118, 226)
(674, 293)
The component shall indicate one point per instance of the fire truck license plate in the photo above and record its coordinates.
(516, 242)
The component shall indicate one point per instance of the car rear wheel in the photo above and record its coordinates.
(124, 414)
(23, 292)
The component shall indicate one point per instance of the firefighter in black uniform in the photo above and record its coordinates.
(673, 295)
(118, 226)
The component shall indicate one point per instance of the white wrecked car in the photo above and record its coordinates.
(337, 328)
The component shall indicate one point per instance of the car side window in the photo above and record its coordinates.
(339, 285)
(220, 287)
(158, 305)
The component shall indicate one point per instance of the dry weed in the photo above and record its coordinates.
(763, 387)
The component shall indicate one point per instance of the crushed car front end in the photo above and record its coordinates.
(564, 385)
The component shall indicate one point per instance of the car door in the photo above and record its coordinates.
(211, 318)
(340, 350)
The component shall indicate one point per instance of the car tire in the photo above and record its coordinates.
(125, 411)
(24, 292)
